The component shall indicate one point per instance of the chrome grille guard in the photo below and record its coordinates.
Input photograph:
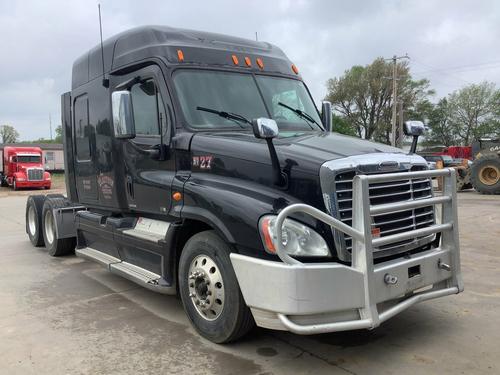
(363, 244)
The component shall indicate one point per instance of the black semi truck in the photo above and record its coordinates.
(198, 165)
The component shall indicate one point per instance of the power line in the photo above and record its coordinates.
(479, 66)
(449, 74)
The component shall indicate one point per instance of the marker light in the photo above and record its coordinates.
(248, 61)
(235, 59)
(177, 196)
(180, 55)
(260, 63)
(296, 238)
(294, 69)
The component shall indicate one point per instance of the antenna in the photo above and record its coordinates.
(105, 81)
(50, 125)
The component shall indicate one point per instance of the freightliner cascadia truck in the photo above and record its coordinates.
(198, 165)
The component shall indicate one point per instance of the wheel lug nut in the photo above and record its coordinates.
(192, 295)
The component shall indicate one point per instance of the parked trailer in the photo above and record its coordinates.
(198, 165)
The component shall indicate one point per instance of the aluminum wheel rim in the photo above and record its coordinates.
(32, 220)
(206, 287)
(489, 175)
(49, 227)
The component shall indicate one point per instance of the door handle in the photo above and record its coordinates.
(130, 187)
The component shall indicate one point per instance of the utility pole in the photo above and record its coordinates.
(256, 37)
(50, 125)
(395, 96)
(399, 141)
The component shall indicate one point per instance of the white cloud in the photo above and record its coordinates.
(41, 39)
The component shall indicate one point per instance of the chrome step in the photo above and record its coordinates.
(138, 275)
(96, 256)
(133, 272)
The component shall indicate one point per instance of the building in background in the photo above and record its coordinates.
(53, 154)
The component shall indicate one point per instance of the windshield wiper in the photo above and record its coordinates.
(301, 114)
(231, 116)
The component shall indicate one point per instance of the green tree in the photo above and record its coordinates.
(363, 96)
(342, 126)
(8, 134)
(59, 135)
(474, 111)
(441, 130)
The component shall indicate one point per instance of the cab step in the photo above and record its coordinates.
(138, 275)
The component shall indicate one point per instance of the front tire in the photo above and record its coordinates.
(55, 246)
(209, 290)
(14, 185)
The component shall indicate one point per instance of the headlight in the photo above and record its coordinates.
(297, 239)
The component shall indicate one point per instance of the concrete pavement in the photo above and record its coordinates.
(69, 316)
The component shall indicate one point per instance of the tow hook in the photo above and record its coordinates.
(443, 266)
(390, 279)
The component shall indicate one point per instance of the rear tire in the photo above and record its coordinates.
(55, 246)
(486, 174)
(34, 208)
(230, 319)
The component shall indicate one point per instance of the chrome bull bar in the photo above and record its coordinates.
(363, 244)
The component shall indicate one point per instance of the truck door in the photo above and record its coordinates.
(148, 181)
(86, 180)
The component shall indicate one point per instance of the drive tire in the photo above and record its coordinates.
(34, 208)
(55, 246)
(485, 175)
(235, 319)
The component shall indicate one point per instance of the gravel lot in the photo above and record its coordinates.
(69, 316)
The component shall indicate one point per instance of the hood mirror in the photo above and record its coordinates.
(265, 128)
(414, 129)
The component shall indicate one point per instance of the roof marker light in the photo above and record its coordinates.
(180, 55)
(294, 69)
(248, 61)
(235, 59)
(260, 63)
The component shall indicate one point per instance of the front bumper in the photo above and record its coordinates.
(33, 184)
(328, 297)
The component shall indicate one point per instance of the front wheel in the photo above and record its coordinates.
(209, 289)
(14, 185)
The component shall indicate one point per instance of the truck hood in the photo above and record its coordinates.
(305, 151)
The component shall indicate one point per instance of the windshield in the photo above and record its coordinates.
(27, 159)
(239, 94)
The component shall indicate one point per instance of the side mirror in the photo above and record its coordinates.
(326, 115)
(123, 115)
(265, 128)
(414, 128)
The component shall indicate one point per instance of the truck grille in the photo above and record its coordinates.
(35, 174)
(387, 224)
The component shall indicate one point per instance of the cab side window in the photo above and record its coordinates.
(82, 128)
(147, 105)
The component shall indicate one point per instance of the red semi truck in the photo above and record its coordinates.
(23, 168)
